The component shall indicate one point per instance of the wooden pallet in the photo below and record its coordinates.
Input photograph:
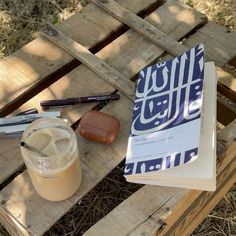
(89, 55)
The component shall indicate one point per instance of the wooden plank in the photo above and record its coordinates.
(133, 211)
(120, 54)
(211, 202)
(157, 222)
(41, 61)
(206, 201)
(226, 84)
(149, 227)
(185, 212)
(179, 210)
(226, 113)
(11, 159)
(19, 200)
(104, 70)
(124, 59)
(158, 219)
(144, 28)
(11, 83)
(219, 43)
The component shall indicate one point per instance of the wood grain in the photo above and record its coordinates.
(41, 61)
(181, 211)
(219, 44)
(226, 113)
(147, 30)
(23, 203)
(120, 54)
(11, 159)
(19, 208)
(129, 61)
(133, 211)
(226, 84)
(104, 70)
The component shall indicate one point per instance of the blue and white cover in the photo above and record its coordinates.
(166, 120)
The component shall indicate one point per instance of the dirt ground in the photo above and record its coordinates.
(20, 22)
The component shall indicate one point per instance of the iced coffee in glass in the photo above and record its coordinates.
(52, 158)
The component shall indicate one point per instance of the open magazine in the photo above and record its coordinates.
(172, 138)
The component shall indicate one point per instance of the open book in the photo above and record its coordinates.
(173, 133)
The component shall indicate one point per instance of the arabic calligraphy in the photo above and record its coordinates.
(161, 163)
(169, 93)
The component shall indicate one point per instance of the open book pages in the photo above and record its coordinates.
(166, 146)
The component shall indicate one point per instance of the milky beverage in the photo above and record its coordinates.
(58, 175)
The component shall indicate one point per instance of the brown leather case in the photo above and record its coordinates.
(99, 127)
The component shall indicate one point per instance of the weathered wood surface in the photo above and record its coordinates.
(135, 61)
(67, 86)
(18, 197)
(11, 159)
(134, 211)
(147, 30)
(219, 43)
(121, 54)
(104, 70)
(175, 214)
(41, 60)
(226, 84)
(226, 113)
(205, 201)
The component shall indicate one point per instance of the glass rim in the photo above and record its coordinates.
(70, 148)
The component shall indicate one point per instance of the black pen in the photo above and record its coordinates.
(74, 101)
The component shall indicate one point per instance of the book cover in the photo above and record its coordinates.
(165, 130)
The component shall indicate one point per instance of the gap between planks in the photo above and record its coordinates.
(114, 77)
(184, 210)
(104, 70)
(149, 59)
(147, 54)
(226, 84)
(40, 61)
(147, 30)
(150, 54)
(127, 55)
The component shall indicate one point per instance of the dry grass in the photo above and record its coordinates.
(20, 21)
(220, 11)
(222, 219)
(95, 205)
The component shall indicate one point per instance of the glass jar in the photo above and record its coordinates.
(52, 158)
